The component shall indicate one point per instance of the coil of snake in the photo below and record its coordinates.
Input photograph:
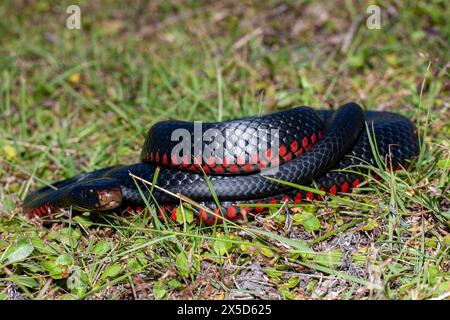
(300, 146)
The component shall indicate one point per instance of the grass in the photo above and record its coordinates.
(72, 101)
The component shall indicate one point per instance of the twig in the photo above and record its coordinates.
(442, 296)
(176, 195)
(351, 33)
(245, 39)
(41, 147)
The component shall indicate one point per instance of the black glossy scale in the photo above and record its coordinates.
(238, 140)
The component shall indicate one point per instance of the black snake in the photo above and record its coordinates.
(235, 158)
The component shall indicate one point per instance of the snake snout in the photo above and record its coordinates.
(109, 198)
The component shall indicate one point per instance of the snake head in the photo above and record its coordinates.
(96, 195)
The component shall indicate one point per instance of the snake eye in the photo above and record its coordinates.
(89, 192)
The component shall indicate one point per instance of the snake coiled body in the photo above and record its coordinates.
(300, 146)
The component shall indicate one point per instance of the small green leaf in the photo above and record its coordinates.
(182, 264)
(359, 257)
(9, 152)
(53, 235)
(3, 244)
(136, 264)
(443, 164)
(267, 252)
(102, 248)
(55, 271)
(298, 245)
(246, 247)
(188, 213)
(18, 252)
(416, 36)
(3, 296)
(84, 221)
(69, 236)
(311, 285)
(111, 271)
(31, 267)
(444, 286)
(285, 293)
(432, 243)
(331, 259)
(221, 247)
(292, 282)
(64, 260)
(357, 60)
(370, 225)
(42, 247)
(76, 282)
(175, 284)
(187, 266)
(24, 281)
(432, 274)
(67, 296)
(274, 274)
(278, 217)
(309, 221)
(49, 265)
(159, 290)
(446, 240)
(310, 208)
